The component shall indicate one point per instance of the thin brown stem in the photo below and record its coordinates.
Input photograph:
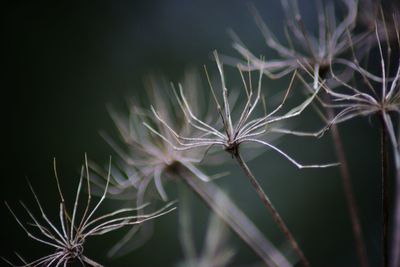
(385, 193)
(348, 190)
(225, 208)
(270, 207)
(395, 255)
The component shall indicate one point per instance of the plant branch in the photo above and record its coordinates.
(268, 204)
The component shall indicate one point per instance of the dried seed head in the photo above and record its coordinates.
(69, 236)
(230, 134)
(372, 93)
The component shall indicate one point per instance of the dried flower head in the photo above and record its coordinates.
(69, 237)
(249, 128)
(363, 99)
(246, 129)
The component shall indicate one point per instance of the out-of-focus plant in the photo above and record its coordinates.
(302, 46)
(216, 250)
(145, 157)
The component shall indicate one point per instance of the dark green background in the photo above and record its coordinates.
(63, 62)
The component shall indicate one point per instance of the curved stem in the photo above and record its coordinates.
(385, 193)
(268, 204)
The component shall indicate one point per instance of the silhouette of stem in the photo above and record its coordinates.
(385, 193)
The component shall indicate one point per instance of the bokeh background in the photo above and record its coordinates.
(63, 62)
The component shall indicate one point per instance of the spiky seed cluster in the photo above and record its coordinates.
(365, 99)
(69, 237)
(246, 129)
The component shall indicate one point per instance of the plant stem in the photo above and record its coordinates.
(268, 204)
(385, 193)
(395, 255)
(348, 190)
(225, 208)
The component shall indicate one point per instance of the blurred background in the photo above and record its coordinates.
(64, 62)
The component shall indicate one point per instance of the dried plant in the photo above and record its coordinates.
(183, 131)
(246, 130)
(336, 37)
(378, 95)
(144, 157)
(69, 237)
